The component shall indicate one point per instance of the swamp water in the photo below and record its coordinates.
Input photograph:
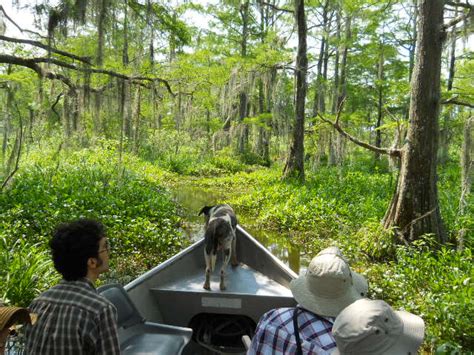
(192, 199)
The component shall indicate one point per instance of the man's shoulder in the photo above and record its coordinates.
(279, 311)
(277, 315)
(74, 294)
(285, 314)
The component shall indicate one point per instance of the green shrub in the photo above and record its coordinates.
(140, 215)
(25, 270)
(376, 242)
(437, 285)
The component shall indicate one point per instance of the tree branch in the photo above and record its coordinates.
(32, 63)
(54, 105)
(454, 101)
(14, 23)
(86, 60)
(277, 8)
(19, 139)
(337, 127)
(458, 19)
(459, 4)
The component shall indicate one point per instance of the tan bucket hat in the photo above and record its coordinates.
(360, 282)
(13, 315)
(372, 327)
(329, 284)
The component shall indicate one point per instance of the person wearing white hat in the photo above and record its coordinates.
(328, 286)
(372, 327)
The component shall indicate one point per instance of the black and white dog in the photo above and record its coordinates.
(221, 224)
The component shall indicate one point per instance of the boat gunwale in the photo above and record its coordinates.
(177, 257)
(150, 273)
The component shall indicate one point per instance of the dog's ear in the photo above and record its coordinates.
(205, 210)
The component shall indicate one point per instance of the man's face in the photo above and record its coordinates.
(103, 256)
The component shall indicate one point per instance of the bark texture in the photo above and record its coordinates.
(414, 209)
(294, 166)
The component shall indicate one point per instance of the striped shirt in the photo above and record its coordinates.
(73, 319)
(275, 333)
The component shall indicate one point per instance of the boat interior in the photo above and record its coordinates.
(172, 294)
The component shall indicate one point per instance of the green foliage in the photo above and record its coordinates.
(375, 241)
(25, 270)
(436, 284)
(342, 206)
(140, 216)
(323, 206)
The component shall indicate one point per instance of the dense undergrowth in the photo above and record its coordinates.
(341, 206)
(139, 214)
(344, 207)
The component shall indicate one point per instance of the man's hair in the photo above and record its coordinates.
(73, 244)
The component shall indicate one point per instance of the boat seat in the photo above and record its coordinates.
(136, 335)
(247, 341)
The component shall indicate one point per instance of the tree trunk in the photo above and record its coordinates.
(467, 172)
(335, 94)
(263, 132)
(126, 84)
(243, 99)
(412, 49)
(332, 154)
(126, 109)
(319, 92)
(294, 166)
(7, 120)
(66, 115)
(414, 209)
(75, 109)
(378, 133)
(444, 134)
(101, 32)
(137, 114)
(342, 89)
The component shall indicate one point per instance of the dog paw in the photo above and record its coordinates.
(234, 263)
(222, 286)
(207, 287)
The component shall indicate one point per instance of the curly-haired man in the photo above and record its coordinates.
(72, 317)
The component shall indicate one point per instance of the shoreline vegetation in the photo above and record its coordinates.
(345, 123)
(335, 206)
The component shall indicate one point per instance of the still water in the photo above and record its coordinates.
(192, 199)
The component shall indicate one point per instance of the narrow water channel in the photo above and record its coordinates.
(193, 198)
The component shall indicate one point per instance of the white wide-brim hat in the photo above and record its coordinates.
(371, 327)
(329, 284)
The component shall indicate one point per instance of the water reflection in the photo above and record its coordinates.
(294, 259)
(193, 198)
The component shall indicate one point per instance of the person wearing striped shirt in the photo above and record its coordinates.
(72, 317)
(328, 286)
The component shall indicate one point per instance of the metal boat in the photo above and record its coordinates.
(172, 293)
